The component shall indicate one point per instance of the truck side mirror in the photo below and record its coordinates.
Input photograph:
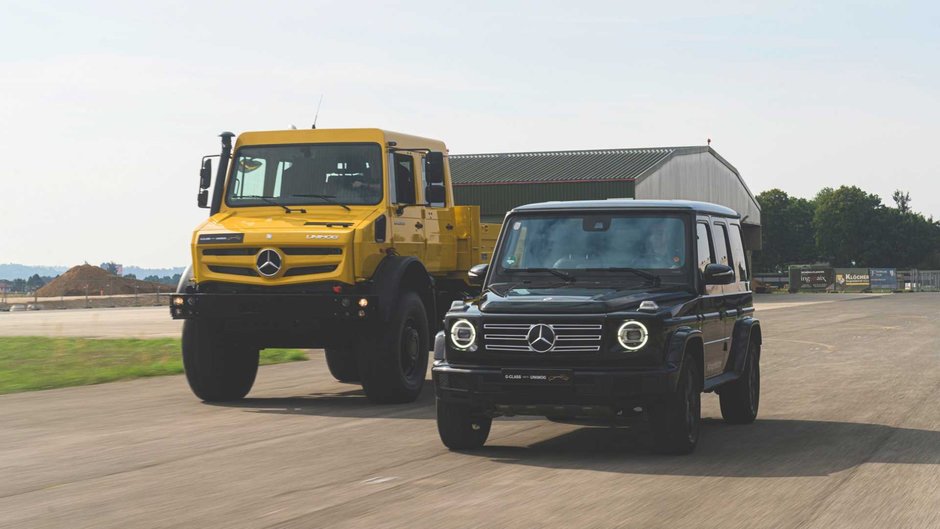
(435, 194)
(202, 199)
(718, 274)
(205, 174)
(477, 273)
(434, 167)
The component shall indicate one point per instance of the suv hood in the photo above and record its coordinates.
(576, 301)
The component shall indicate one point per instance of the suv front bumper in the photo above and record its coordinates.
(487, 388)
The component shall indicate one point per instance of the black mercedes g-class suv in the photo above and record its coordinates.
(604, 309)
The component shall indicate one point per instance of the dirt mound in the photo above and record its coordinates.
(94, 281)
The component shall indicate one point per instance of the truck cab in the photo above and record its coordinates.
(604, 310)
(346, 239)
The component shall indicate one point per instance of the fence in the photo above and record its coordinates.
(925, 280)
(821, 278)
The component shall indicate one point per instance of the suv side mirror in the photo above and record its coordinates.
(718, 274)
(205, 174)
(435, 194)
(434, 167)
(477, 273)
(202, 199)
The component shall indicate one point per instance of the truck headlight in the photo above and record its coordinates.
(463, 335)
(632, 335)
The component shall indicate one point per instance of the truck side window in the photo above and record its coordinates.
(404, 179)
(705, 254)
(721, 249)
(738, 249)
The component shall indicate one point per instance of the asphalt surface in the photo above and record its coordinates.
(848, 436)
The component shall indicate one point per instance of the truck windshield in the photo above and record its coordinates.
(315, 174)
(605, 247)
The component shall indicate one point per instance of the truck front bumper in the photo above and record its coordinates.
(273, 306)
(570, 391)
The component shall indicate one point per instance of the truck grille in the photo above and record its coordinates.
(569, 337)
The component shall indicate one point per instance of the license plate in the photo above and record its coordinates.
(538, 377)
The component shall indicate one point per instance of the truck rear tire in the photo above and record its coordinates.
(676, 420)
(342, 364)
(459, 428)
(394, 361)
(217, 369)
(740, 399)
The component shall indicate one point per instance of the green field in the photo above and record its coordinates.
(30, 363)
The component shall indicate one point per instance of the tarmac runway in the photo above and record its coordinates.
(848, 436)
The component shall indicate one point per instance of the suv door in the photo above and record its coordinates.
(710, 303)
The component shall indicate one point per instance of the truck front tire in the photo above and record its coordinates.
(394, 361)
(342, 364)
(217, 368)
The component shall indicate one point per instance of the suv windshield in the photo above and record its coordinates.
(306, 174)
(643, 248)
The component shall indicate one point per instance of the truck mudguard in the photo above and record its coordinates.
(396, 273)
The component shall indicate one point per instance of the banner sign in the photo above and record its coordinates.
(811, 278)
(883, 278)
(852, 279)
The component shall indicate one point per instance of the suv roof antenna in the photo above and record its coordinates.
(317, 115)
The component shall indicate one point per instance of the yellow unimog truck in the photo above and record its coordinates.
(344, 239)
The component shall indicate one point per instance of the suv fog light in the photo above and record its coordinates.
(632, 335)
(462, 334)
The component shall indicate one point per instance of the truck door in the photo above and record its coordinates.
(408, 214)
(439, 229)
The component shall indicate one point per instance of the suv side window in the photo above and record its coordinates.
(721, 247)
(705, 253)
(737, 248)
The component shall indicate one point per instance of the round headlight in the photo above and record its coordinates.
(463, 334)
(632, 335)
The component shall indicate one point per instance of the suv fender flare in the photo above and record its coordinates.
(682, 340)
(744, 330)
(396, 274)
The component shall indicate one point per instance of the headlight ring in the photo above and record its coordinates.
(632, 335)
(463, 335)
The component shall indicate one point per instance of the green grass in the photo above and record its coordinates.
(30, 363)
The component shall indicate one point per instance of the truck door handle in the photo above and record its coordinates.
(449, 226)
(419, 225)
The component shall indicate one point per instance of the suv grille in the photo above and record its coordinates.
(569, 337)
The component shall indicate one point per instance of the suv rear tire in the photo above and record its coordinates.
(342, 364)
(459, 428)
(394, 362)
(216, 368)
(676, 420)
(740, 399)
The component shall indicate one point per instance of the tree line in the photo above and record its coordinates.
(845, 227)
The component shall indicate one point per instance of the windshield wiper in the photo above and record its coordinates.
(554, 271)
(653, 278)
(270, 200)
(326, 198)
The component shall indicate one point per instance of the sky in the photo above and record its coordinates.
(107, 107)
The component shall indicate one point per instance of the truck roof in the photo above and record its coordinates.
(299, 136)
(629, 204)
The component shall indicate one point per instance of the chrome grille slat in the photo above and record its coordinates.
(569, 337)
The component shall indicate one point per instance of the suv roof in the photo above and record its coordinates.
(629, 204)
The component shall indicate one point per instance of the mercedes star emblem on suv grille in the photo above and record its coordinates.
(541, 338)
(268, 262)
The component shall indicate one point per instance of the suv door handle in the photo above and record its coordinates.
(419, 225)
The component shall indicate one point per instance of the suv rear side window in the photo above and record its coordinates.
(705, 253)
(737, 248)
(721, 247)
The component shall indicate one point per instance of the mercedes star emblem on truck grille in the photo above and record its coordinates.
(541, 338)
(268, 262)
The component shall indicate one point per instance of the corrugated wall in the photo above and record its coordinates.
(496, 200)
